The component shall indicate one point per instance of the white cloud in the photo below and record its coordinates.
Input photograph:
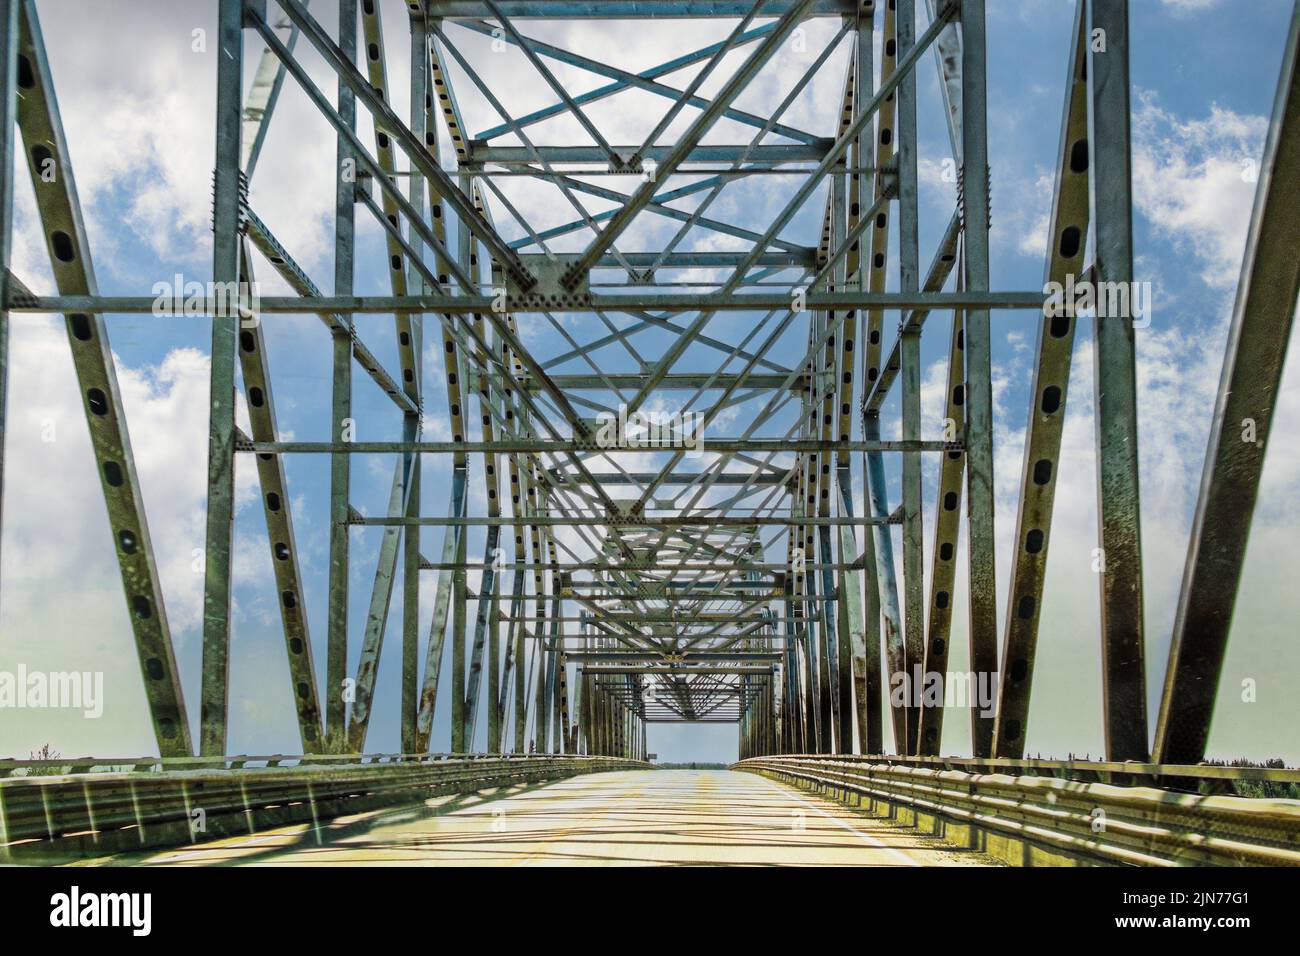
(1193, 180)
(63, 605)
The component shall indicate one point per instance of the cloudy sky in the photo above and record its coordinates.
(135, 81)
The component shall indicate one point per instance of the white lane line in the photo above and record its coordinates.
(860, 834)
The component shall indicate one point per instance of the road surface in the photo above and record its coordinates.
(630, 818)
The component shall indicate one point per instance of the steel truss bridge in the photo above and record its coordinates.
(712, 564)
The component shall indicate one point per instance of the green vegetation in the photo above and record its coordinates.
(45, 753)
(1259, 788)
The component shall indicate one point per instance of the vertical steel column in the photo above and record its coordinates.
(336, 650)
(909, 278)
(579, 708)
(602, 721)
(867, 677)
(494, 679)
(1068, 228)
(564, 734)
(808, 607)
(748, 716)
(829, 633)
(849, 637)
(979, 391)
(420, 116)
(833, 618)
(947, 527)
(517, 608)
(260, 397)
(947, 508)
(227, 199)
(895, 656)
(459, 615)
(487, 599)
(875, 491)
(381, 595)
(1119, 529)
(451, 548)
(584, 697)
(850, 622)
(454, 363)
(794, 716)
(1262, 320)
(8, 180)
(546, 696)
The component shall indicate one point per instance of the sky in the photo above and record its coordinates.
(136, 82)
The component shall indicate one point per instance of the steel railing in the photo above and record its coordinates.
(107, 811)
(1085, 822)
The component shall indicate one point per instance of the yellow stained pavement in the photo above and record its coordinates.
(629, 818)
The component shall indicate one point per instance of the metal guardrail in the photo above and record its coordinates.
(1085, 822)
(92, 813)
(1128, 772)
(66, 765)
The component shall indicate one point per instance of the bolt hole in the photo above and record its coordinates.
(1070, 241)
(1051, 402)
(1079, 156)
(62, 244)
(26, 75)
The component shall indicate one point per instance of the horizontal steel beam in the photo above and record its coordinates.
(755, 446)
(481, 153)
(616, 656)
(633, 567)
(677, 478)
(580, 521)
(676, 671)
(462, 304)
(617, 9)
(683, 381)
(777, 258)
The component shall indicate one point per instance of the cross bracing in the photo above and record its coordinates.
(677, 380)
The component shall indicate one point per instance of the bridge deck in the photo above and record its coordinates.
(625, 818)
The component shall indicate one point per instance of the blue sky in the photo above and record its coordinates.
(137, 105)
